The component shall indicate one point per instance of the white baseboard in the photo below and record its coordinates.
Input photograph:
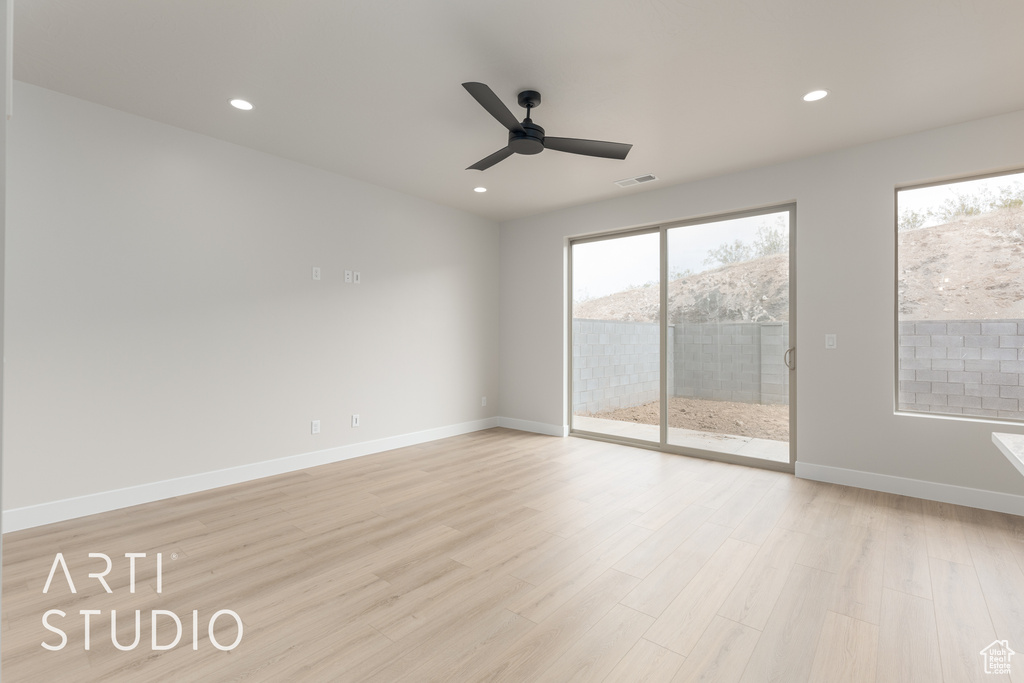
(70, 508)
(929, 490)
(536, 427)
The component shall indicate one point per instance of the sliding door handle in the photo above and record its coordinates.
(790, 358)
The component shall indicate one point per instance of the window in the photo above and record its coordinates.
(960, 297)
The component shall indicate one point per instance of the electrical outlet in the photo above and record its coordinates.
(348, 276)
(357, 278)
(355, 420)
(483, 401)
(315, 427)
(316, 273)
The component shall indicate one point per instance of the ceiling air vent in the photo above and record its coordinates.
(629, 182)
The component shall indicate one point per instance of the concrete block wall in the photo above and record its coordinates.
(733, 361)
(962, 367)
(774, 373)
(614, 365)
(718, 361)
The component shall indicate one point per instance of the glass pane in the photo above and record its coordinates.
(615, 337)
(960, 298)
(728, 315)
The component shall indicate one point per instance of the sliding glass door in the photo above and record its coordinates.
(729, 322)
(616, 323)
(681, 336)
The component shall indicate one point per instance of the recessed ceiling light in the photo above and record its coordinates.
(815, 95)
(479, 189)
(241, 104)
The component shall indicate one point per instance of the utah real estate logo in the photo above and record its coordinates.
(997, 657)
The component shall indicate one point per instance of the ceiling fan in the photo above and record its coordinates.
(527, 137)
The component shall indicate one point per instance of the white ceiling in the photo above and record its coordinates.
(371, 89)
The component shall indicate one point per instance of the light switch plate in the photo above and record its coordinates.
(830, 341)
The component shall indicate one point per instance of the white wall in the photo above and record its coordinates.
(162, 320)
(845, 249)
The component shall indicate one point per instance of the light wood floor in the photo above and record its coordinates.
(505, 556)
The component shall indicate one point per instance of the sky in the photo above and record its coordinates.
(923, 199)
(613, 265)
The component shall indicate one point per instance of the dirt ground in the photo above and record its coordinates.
(719, 417)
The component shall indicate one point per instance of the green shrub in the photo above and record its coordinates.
(771, 239)
(911, 220)
(727, 253)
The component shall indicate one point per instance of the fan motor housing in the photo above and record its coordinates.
(530, 141)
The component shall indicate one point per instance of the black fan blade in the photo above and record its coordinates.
(590, 148)
(495, 107)
(487, 162)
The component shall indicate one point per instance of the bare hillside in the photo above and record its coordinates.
(969, 268)
(755, 290)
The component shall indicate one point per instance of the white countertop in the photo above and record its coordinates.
(1012, 446)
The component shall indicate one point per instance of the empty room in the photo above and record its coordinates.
(536, 341)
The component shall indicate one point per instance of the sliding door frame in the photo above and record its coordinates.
(663, 445)
(601, 237)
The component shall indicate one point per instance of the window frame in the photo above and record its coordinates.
(906, 412)
(789, 207)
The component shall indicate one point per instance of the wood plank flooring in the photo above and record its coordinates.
(506, 556)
